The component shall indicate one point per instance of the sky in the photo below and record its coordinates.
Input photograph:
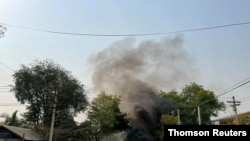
(220, 56)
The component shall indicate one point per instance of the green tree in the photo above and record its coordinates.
(39, 84)
(2, 31)
(64, 124)
(169, 119)
(85, 131)
(105, 116)
(245, 120)
(188, 100)
(13, 120)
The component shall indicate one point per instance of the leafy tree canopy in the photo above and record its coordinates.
(13, 120)
(105, 115)
(40, 83)
(192, 96)
(2, 31)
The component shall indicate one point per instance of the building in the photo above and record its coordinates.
(11, 133)
(244, 118)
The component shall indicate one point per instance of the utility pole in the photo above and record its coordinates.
(234, 104)
(199, 115)
(53, 118)
(179, 120)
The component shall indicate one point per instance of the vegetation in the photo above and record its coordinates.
(43, 84)
(192, 96)
(13, 120)
(104, 118)
(2, 31)
(244, 120)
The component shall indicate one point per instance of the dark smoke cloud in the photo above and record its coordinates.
(138, 72)
(125, 67)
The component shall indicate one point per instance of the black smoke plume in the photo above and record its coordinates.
(137, 73)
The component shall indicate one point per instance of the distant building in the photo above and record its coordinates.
(11, 133)
(244, 118)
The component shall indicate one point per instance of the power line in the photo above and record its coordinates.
(131, 34)
(248, 78)
(238, 85)
(6, 66)
(5, 88)
(231, 89)
(12, 104)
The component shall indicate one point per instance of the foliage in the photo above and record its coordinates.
(105, 116)
(85, 131)
(188, 100)
(2, 31)
(13, 120)
(244, 120)
(40, 84)
(65, 125)
(169, 119)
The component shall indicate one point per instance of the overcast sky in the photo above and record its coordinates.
(220, 56)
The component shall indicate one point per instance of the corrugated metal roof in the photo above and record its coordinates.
(27, 134)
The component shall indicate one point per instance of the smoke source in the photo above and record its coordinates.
(137, 73)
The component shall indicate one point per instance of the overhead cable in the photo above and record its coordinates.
(131, 34)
